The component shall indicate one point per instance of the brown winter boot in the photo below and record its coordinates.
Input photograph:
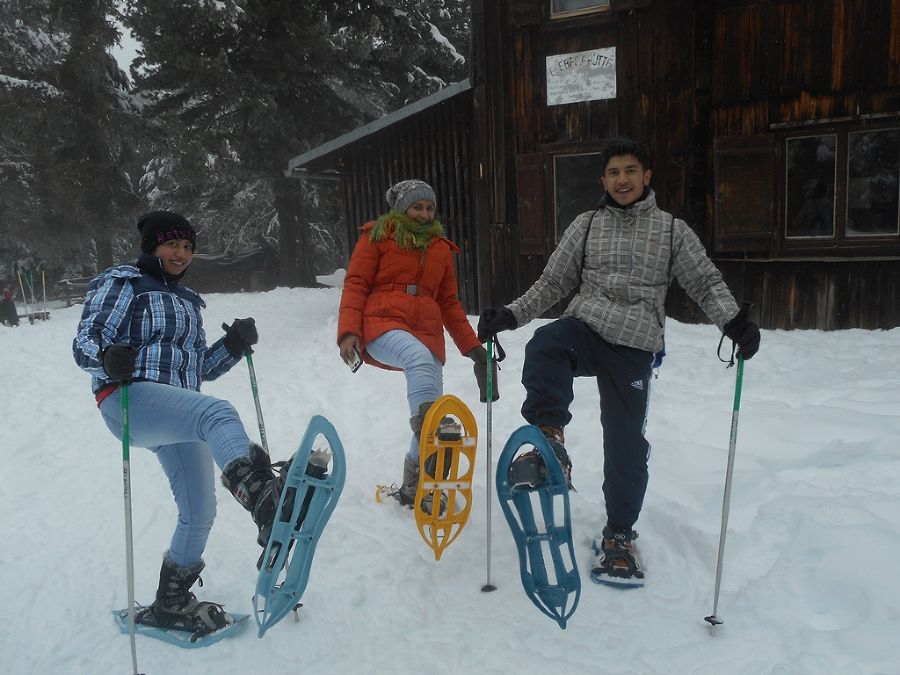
(529, 469)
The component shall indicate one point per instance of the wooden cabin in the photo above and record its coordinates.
(431, 139)
(773, 128)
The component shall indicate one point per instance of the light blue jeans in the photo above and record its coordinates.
(187, 431)
(424, 372)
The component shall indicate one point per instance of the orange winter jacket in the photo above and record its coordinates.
(388, 288)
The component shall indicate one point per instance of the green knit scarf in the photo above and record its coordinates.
(406, 232)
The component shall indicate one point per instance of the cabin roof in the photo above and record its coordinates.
(320, 155)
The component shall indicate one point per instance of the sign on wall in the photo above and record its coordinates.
(581, 76)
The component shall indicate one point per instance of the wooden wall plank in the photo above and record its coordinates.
(893, 79)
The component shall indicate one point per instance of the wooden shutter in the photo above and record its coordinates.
(531, 203)
(745, 171)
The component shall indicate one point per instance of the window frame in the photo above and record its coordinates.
(839, 241)
(566, 14)
(784, 222)
(864, 235)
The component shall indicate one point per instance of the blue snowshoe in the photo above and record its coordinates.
(285, 564)
(546, 554)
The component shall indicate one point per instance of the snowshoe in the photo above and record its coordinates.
(287, 559)
(537, 511)
(447, 450)
(148, 627)
(176, 608)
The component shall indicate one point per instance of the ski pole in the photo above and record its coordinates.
(24, 297)
(255, 389)
(488, 586)
(30, 279)
(259, 415)
(713, 619)
(129, 546)
(44, 291)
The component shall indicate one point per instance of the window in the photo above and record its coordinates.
(873, 183)
(576, 187)
(560, 8)
(810, 186)
(842, 185)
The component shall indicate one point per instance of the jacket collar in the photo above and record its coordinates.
(152, 266)
(646, 203)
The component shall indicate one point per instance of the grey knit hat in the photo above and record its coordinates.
(407, 192)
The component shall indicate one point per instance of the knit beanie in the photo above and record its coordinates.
(407, 192)
(158, 227)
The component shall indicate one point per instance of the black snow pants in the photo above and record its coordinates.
(569, 348)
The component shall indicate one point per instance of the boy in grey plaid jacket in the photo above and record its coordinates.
(619, 260)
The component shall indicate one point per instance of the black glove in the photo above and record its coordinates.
(492, 321)
(479, 358)
(240, 336)
(118, 362)
(744, 333)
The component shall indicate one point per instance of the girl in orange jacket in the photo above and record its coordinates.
(400, 293)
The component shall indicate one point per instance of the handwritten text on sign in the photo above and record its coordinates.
(581, 76)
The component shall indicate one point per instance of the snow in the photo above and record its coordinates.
(38, 86)
(438, 37)
(809, 579)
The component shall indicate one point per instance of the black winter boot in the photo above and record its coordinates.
(176, 607)
(254, 484)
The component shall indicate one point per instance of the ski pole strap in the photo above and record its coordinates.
(730, 360)
(743, 313)
(501, 354)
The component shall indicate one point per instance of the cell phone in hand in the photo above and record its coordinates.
(355, 361)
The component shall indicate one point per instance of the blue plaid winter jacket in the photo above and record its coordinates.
(162, 321)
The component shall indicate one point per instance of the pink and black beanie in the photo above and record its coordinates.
(158, 227)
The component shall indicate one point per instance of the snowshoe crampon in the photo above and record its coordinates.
(145, 624)
(383, 491)
(447, 447)
(539, 518)
(286, 562)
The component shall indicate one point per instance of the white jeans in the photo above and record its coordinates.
(424, 372)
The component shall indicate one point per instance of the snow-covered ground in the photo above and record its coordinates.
(810, 575)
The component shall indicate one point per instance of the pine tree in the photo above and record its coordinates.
(244, 85)
(66, 119)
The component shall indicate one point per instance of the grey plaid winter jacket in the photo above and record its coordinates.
(621, 273)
